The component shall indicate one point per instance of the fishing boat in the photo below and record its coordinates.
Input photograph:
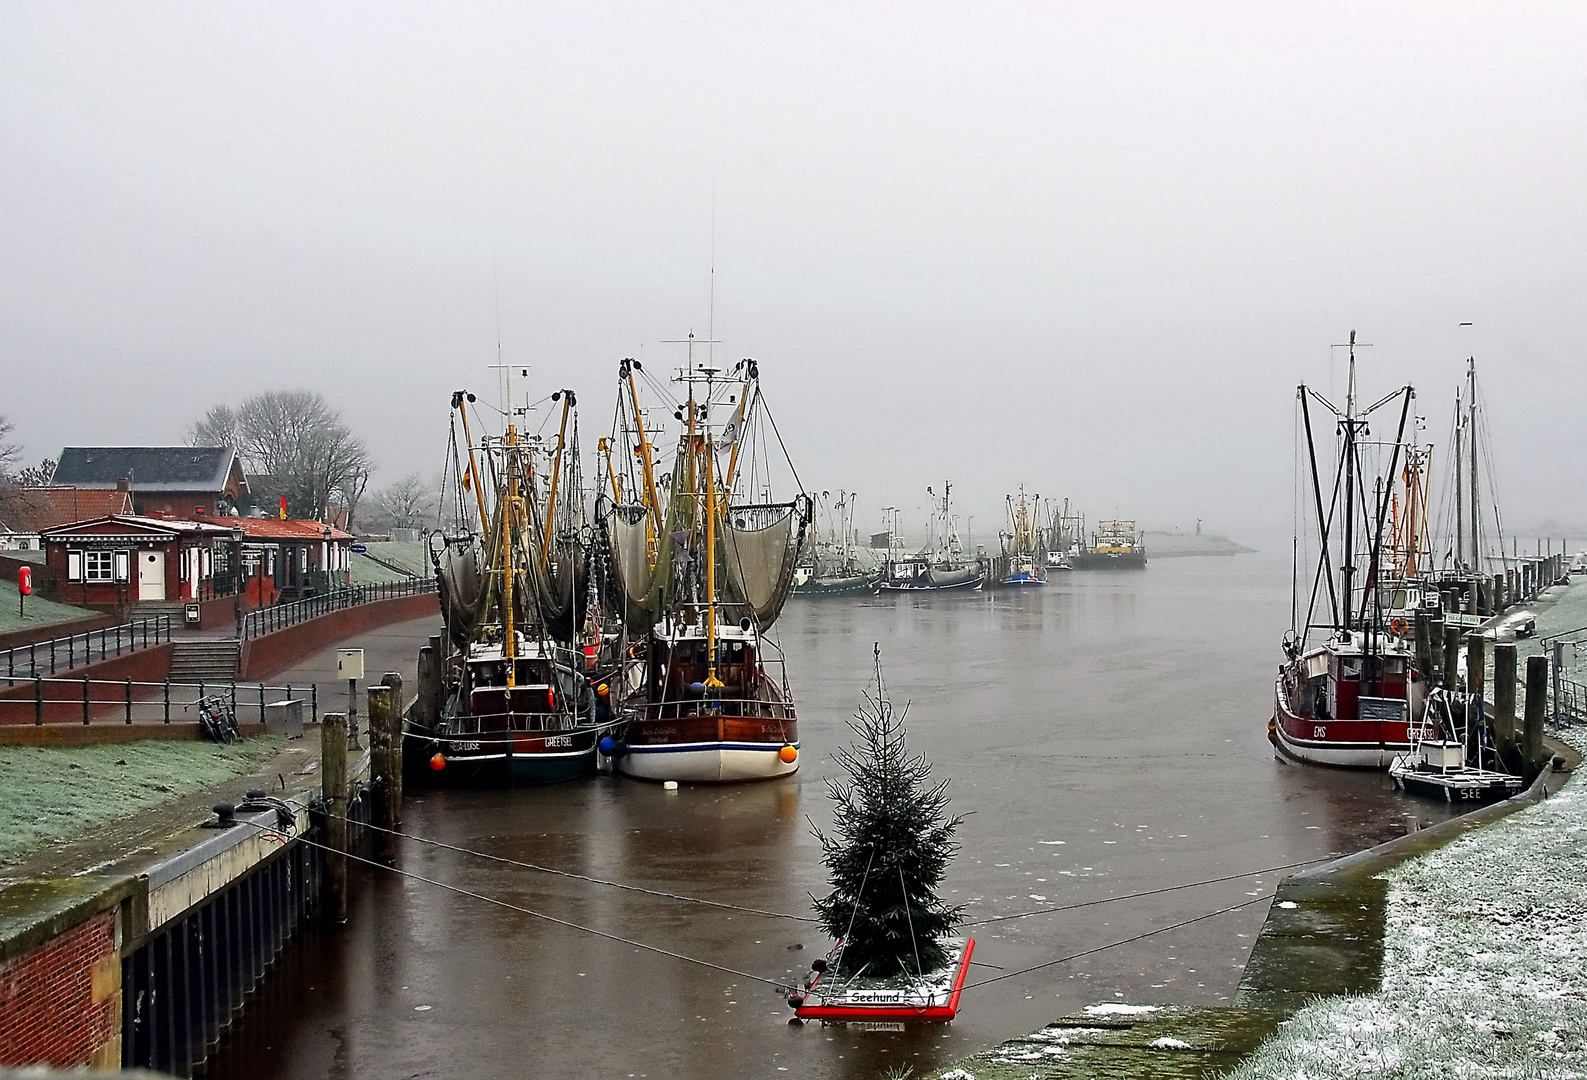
(1064, 532)
(1116, 545)
(837, 566)
(520, 699)
(1453, 756)
(941, 564)
(1023, 562)
(705, 559)
(1351, 698)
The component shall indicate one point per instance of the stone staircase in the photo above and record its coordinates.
(213, 661)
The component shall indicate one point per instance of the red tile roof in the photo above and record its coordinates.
(275, 529)
(37, 509)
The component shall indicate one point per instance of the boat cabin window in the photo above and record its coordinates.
(1350, 668)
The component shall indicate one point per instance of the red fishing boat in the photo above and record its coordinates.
(1349, 700)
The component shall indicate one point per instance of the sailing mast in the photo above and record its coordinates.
(1460, 487)
(1476, 550)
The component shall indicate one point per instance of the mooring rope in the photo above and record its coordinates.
(778, 983)
(1148, 892)
(1125, 941)
(586, 877)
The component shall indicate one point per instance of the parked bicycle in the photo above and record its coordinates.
(215, 719)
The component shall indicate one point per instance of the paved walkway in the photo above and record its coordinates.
(389, 648)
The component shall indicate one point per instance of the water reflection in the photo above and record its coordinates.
(1106, 734)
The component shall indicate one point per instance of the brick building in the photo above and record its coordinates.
(182, 481)
(120, 560)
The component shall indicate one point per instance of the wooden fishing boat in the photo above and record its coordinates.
(705, 572)
(1023, 562)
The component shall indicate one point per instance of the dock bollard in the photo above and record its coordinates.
(1536, 709)
(333, 786)
(1504, 661)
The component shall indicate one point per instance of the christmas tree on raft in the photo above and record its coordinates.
(892, 840)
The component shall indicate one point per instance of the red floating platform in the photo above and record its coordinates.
(932, 999)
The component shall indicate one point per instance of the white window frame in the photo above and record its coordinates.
(99, 567)
(123, 566)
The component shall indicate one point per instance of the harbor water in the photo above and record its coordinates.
(1104, 735)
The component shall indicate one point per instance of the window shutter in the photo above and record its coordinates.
(74, 566)
(123, 565)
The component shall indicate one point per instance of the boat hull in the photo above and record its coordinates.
(1351, 744)
(485, 761)
(1090, 560)
(848, 586)
(704, 749)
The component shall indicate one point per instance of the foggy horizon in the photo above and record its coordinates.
(1090, 252)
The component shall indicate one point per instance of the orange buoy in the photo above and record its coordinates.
(438, 762)
(603, 690)
(789, 753)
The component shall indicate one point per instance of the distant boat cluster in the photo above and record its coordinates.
(1038, 539)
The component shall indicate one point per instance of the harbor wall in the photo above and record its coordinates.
(60, 1003)
(262, 656)
(63, 695)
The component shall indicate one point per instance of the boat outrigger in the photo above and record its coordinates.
(1023, 562)
(938, 566)
(704, 570)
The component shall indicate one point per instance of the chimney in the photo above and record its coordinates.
(123, 485)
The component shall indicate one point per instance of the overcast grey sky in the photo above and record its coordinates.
(1088, 248)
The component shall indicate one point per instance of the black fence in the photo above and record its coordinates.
(126, 701)
(89, 647)
(280, 616)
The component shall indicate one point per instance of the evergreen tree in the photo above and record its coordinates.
(892, 840)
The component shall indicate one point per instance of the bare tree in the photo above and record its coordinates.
(407, 503)
(218, 427)
(38, 475)
(295, 445)
(9, 451)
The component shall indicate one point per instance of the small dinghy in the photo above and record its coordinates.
(1452, 750)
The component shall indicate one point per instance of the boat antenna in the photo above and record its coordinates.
(710, 329)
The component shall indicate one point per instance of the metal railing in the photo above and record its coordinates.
(91, 646)
(280, 616)
(1569, 705)
(127, 701)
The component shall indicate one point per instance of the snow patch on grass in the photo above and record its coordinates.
(1484, 968)
(1118, 1008)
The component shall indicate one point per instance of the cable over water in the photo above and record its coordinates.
(778, 983)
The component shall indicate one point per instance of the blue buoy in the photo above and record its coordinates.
(608, 744)
(697, 687)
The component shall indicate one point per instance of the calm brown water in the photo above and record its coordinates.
(1105, 734)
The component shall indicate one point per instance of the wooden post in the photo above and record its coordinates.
(1451, 657)
(392, 681)
(333, 786)
(429, 676)
(1536, 707)
(1424, 647)
(1476, 657)
(379, 703)
(1504, 660)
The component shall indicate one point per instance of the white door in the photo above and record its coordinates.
(151, 575)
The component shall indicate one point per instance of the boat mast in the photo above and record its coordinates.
(1348, 425)
(711, 681)
(1460, 482)
(509, 643)
(556, 474)
(460, 398)
(1471, 403)
(652, 496)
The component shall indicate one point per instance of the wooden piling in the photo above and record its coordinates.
(1504, 661)
(393, 681)
(428, 693)
(333, 786)
(1536, 708)
(1424, 646)
(378, 700)
(1451, 657)
(1476, 663)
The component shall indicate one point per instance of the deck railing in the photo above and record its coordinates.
(266, 620)
(128, 701)
(91, 646)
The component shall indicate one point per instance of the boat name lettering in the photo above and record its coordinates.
(559, 740)
(459, 746)
(1319, 732)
